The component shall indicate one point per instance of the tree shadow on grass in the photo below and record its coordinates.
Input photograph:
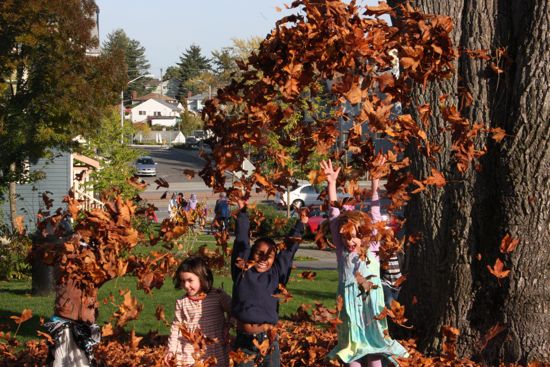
(27, 329)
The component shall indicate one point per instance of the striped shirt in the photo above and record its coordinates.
(209, 316)
(391, 271)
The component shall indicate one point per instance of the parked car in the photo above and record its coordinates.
(316, 216)
(145, 166)
(305, 194)
(191, 142)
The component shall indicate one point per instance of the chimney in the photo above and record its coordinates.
(134, 94)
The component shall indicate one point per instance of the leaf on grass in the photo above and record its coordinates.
(308, 275)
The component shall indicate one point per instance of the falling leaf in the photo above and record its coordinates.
(498, 134)
(498, 269)
(25, 315)
(189, 173)
(107, 330)
(508, 244)
(161, 182)
(20, 224)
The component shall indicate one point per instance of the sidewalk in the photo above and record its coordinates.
(325, 260)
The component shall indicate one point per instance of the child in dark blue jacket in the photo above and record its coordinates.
(253, 304)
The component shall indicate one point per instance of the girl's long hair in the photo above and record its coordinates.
(197, 266)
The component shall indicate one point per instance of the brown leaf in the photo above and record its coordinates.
(25, 315)
(161, 182)
(508, 244)
(498, 270)
(189, 173)
(498, 134)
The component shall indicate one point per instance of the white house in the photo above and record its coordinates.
(196, 103)
(157, 111)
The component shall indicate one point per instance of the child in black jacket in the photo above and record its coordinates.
(253, 304)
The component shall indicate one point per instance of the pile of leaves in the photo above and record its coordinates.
(305, 339)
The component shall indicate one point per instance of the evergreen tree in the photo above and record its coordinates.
(134, 56)
(192, 64)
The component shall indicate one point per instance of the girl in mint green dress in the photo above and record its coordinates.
(361, 338)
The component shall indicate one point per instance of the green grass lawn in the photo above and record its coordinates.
(15, 296)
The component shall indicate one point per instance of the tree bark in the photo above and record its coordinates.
(12, 197)
(462, 224)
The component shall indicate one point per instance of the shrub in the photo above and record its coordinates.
(275, 223)
(14, 251)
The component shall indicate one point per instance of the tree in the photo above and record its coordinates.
(116, 157)
(171, 72)
(192, 63)
(135, 59)
(460, 274)
(463, 223)
(50, 89)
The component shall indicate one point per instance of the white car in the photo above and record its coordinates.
(305, 194)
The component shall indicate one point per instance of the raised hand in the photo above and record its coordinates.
(332, 177)
(329, 171)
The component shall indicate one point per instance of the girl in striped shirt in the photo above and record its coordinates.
(202, 307)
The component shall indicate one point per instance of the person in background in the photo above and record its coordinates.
(222, 212)
(192, 203)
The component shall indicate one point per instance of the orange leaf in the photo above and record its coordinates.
(498, 270)
(498, 134)
(25, 315)
(508, 244)
(436, 179)
(107, 330)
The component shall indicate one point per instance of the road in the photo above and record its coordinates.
(170, 166)
(172, 162)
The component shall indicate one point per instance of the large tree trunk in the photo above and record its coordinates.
(462, 224)
(12, 197)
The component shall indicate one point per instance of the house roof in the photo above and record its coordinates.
(173, 106)
(198, 97)
(156, 96)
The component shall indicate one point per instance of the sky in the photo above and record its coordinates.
(167, 27)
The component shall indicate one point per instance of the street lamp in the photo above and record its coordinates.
(122, 104)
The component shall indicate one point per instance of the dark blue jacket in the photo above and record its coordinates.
(253, 301)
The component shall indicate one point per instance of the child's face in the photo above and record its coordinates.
(351, 241)
(264, 257)
(191, 283)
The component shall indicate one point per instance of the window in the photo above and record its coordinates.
(142, 112)
(156, 113)
(308, 190)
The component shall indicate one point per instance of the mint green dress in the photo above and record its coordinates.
(360, 334)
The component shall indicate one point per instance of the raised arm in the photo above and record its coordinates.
(241, 246)
(332, 177)
(283, 262)
(375, 201)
